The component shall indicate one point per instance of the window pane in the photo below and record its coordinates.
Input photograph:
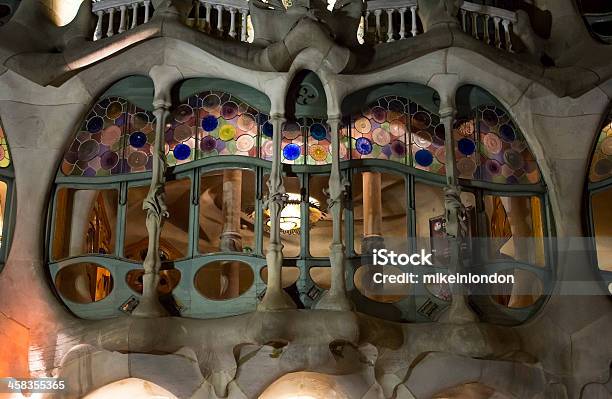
(174, 240)
(602, 222)
(85, 222)
(227, 206)
(291, 221)
(515, 228)
(3, 210)
(375, 219)
(431, 218)
(84, 282)
(222, 280)
(320, 219)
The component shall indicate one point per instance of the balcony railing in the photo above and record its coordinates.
(383, 20)
(374, 12)
(131, 14)
(485, 23)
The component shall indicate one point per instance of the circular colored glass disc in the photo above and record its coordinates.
(140, 120)
(363, 125)
(318, 131)
(379, 114)
(363, 146)
(507, 133)
(246, 122)
(466, 167)
(229, 110)
(183, 113)
(114, 110)
(138, 139)
(209, 123)
(181, 152)
(492, 143)
(606, 146)
(227, 132)
(110, 135)
(137, 159)
(88, 150)
(380, 137)
(267, 149)
(422, 138)
(292, 152)
(95, 124)
(245, 142)
(318, 153)
(109, 160)
(423, 157)
(421, 120)
(398, 148)
(267, 129)
(490, 118)
(211, 102)
(513, 159)
(182, 133)
(208, 143)
(493, 167)
(466, 146)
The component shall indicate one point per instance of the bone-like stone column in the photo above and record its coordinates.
(275, 298)
(456, 228)
(123, 18)
(134, 15)
(98, 30)
(243, 25)
(336, 298)
(156, 209)
(231, 240)
(111, 22)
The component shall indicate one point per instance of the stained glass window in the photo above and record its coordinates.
(5, 155)
(116, 137)
(319, 142)
(226, 126)
(504, 154)
(180, 135)
(427, 140)
(292, 145)
(601, 165)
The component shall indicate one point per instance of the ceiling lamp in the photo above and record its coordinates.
(291, 217)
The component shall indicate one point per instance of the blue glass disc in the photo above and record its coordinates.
(267, 129)
(363, 146)
(466, 146)
(209, 123)
(318, 131)
(138, 139)
(292, 152)
(95, 124)
(181, 152)
(423, 157)
(507, 133)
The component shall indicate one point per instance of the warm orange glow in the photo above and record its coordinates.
(304, 385)
(61, 12)
(133, 388)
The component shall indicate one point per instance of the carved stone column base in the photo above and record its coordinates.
(459, 312)
(149, 305)
(338, 301)
(276, 300)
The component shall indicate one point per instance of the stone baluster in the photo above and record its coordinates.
(475, 25)
(487, 35)
(219, 19)
(98, 31)
(402, 32)
(134, 15)
(111, 22)
(377, 14)
(336, 298)
(498, 42)
(197, 23)
(459, 311)
(506, 25)
(275, 297)
(155, 206)
(243, 25)
(413, 14)
(464, 20)
(390, 25)
(366, 24)
(208, 7)
(147, 5)
(232, 30)
(123, 19)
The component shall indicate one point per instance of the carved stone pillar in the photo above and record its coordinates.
(231, 240)
(156, 209)
(336, 298)
(275, 298)
(456, 226)
(372, 212)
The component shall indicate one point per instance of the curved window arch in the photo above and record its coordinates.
(7, 182)
(599, 189)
